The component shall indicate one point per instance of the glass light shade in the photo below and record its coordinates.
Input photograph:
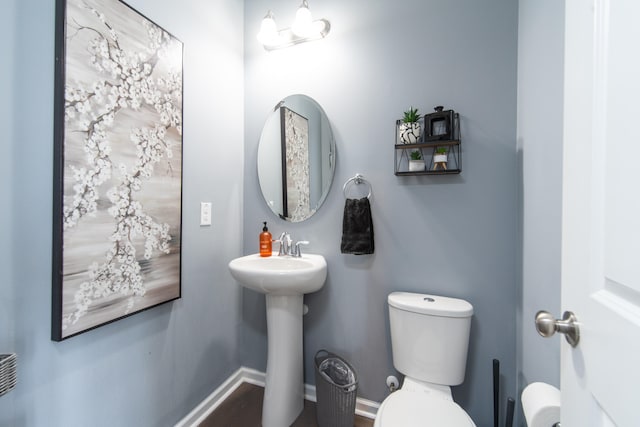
(268, 34)
(320, 27)
(303, 24)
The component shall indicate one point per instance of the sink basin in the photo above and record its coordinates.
(280, 275)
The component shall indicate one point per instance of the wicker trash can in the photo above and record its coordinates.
(336, 389)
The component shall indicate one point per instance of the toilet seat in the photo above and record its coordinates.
(411, 409)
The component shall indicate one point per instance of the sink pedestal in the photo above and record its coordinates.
(284, 389)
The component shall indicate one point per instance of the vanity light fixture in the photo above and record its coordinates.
(304, 29)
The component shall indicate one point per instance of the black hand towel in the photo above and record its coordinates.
(357, 227)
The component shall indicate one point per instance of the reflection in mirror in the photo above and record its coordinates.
(296, 158)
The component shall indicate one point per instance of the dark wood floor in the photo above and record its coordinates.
(244, 409)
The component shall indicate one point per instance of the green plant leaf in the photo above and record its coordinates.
(411, 115)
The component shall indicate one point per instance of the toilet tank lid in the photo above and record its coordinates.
(430, 304)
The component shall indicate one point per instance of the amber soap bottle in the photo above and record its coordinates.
(265, 241)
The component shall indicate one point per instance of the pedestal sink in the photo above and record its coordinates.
(284, 280)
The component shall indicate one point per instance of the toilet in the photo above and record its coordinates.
(429, 340)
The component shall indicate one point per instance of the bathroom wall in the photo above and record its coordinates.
(540, 88)
(152, 368)
(7, 50)
(447, 235)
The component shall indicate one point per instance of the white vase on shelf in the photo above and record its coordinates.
(416, 165)
(410, 132)
(440, 158)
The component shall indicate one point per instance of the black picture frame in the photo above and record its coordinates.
(117, 185)
(439, 126)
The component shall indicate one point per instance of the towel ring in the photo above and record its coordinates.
(357, 179)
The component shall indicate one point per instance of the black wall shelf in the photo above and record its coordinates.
(431, 148)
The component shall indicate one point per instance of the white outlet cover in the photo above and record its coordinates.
(205, 213)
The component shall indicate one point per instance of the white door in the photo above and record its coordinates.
(600, 378)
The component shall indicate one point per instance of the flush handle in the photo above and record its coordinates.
(547, 325)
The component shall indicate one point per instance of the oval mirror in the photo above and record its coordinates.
(296, 158)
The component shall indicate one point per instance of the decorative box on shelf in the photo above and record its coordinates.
(436, 152)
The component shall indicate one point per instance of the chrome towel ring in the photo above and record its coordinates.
(357, 179)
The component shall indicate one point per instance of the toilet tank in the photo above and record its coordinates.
(430, 336)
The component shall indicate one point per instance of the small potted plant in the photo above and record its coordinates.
(410, 129)
(416, 162)
(440, 156)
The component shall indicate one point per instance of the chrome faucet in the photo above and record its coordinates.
(288, 248)
(285, 244)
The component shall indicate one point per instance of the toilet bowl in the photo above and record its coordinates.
(429, 340)
(412, 409)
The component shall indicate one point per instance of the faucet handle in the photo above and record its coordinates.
(297, 252)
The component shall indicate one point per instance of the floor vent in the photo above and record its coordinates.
(8, 372)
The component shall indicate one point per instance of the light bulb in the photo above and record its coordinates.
(303, 24)
(268, 34)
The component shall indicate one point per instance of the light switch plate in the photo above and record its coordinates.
(205, 213)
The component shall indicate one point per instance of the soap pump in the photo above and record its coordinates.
(265, 241)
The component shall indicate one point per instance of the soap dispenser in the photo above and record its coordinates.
(265, 241)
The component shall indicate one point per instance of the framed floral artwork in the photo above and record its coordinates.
(295, 165)
(117, 196)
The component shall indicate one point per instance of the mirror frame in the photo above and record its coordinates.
(296, 136)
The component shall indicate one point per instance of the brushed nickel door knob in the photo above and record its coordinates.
(547, 325)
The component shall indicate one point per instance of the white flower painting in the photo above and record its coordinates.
(118, 166)
(295, 145)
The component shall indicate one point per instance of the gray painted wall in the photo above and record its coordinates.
(456, 236)
(7, 329)
(447, 235)
(540, 88)
(152, 368)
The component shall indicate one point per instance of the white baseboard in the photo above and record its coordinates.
(364, 407)
(211, 402)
